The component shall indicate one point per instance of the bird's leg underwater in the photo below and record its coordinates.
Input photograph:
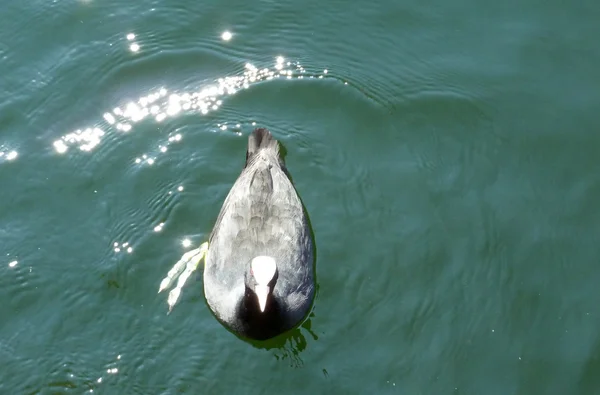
(182, 270)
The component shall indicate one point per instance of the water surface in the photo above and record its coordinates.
(446, 153)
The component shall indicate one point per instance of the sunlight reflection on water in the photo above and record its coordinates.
(163, 104)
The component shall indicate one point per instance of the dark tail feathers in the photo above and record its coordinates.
(261, 139)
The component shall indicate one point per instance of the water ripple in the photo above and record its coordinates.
(162, 104)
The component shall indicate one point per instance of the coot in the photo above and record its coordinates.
(258, 274)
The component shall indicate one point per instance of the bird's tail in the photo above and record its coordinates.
(262, 140)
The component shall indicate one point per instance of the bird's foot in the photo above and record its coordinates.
(182, 270)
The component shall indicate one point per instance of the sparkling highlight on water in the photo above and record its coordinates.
(7, 155)
(226, 36)
(160, 105)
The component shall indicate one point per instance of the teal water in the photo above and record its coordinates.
(448, 158)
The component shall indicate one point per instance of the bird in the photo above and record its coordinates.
(259, 260)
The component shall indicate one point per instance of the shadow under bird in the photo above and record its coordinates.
(259, 259)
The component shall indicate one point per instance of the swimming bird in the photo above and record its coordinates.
(259, 259)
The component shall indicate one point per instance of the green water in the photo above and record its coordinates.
(448, 159)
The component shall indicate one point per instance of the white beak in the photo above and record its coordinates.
(262, 292)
